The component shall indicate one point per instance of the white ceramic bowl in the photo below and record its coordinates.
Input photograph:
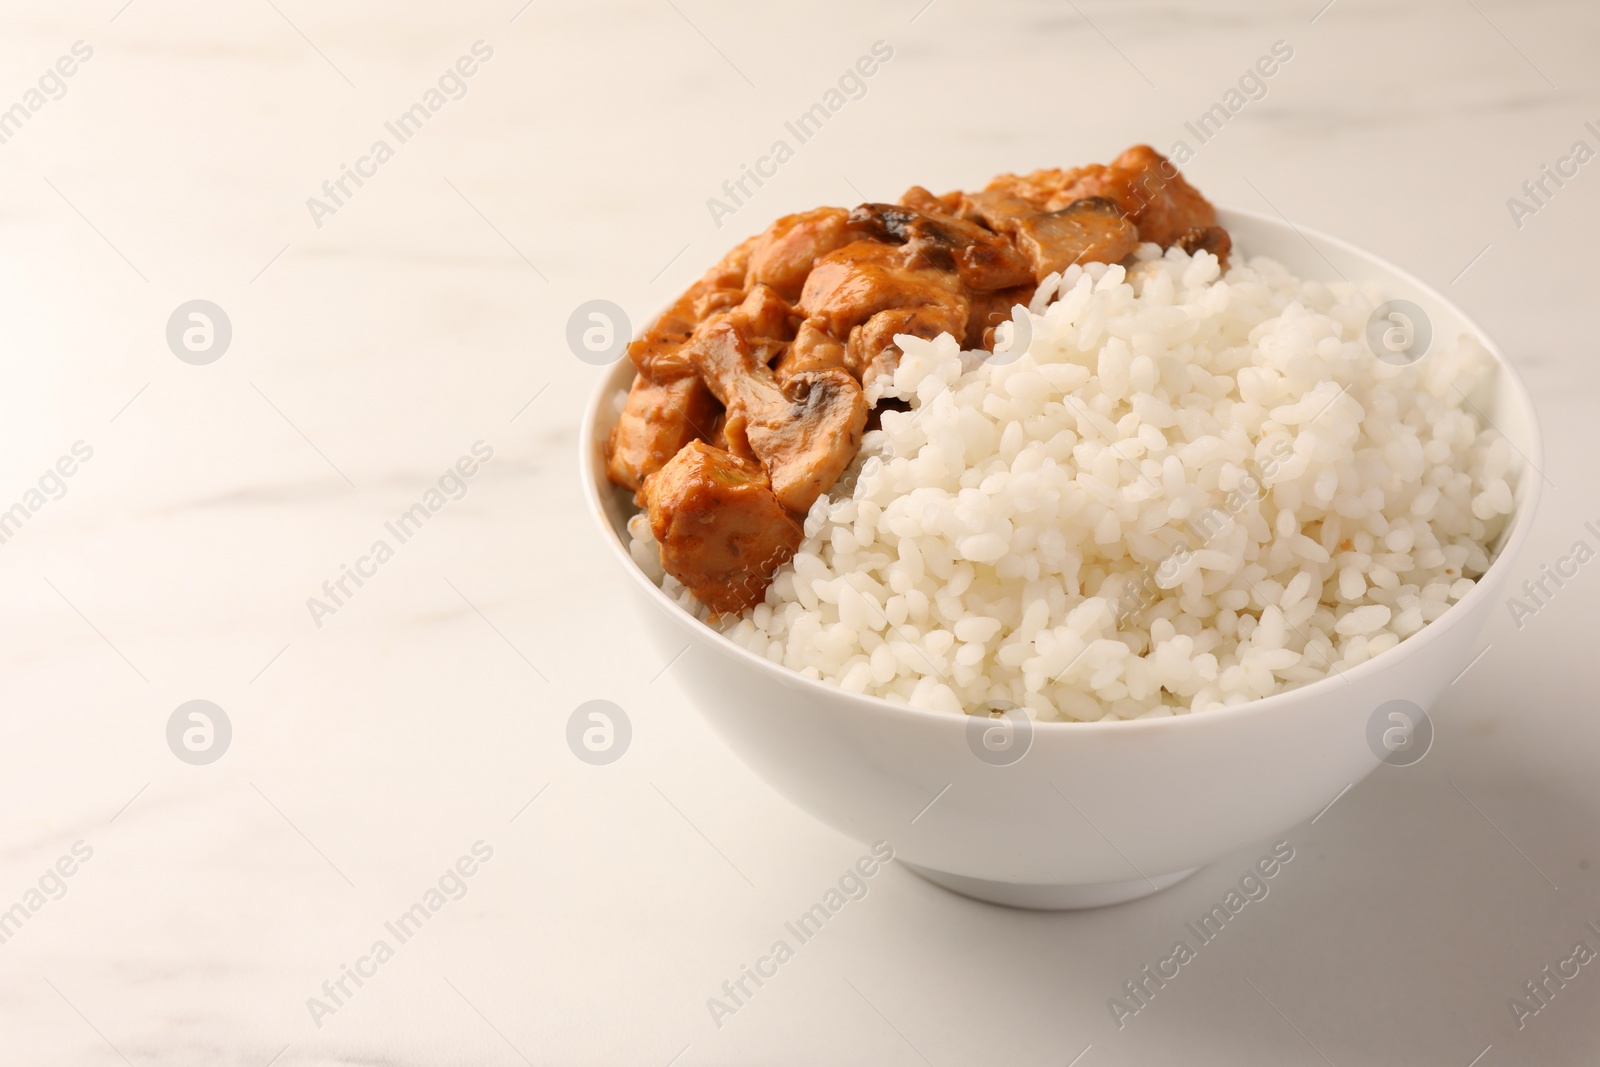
(1094, 813)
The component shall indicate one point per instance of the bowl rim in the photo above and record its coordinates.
(1278, 703)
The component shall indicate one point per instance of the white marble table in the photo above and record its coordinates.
(374, 342)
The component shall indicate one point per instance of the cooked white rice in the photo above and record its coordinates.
(1188, 492)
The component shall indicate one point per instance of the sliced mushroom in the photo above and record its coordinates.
(805, 429)
(1146, 185)
(1090, 230)
(1213, 239)
(996, 210)
(722, 531)
(982, 259)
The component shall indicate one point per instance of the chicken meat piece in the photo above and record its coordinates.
(868, 291)
(1141, 181)
(668, 405)
(994, 209)
(711, 301)
(872, 351)
(658, 354)
(658, 419)
(717, 436)
(851, 284)
(766, 315)
(981, 258)
(721, 531)
(805, 429)
(1154, 196)
(784, 254)
(863, 279)
(658, 351)
(812, 349)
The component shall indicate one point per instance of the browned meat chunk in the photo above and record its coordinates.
(851, 284)
(812, 349)
(765, 314)
(868, 291)
(872, 350)
(722, 532)
(805, 430)
(1152, 192)
(783, 255)
(669, 405)
(658, 352)
(1213, 239)
(658, 420)
(712, 301)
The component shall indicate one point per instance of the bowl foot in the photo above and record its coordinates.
(1052, 897)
